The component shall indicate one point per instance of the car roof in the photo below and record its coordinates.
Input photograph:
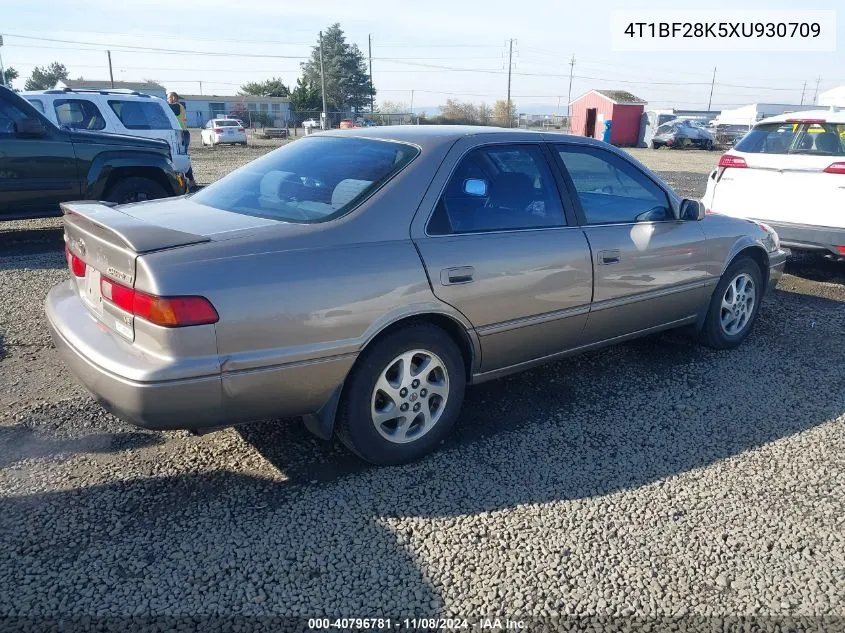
(828, 115)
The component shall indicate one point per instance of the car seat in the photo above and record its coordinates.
(510, 195)
(828, 142)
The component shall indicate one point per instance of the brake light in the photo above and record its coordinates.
(841, 250)
(729, 160)
(835, 168)
(240, 129)
(218, 130)
(76, 264)
(163, 311)
(810, 121)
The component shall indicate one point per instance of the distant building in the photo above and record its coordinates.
(832, 97)
(145, 87)
(269, 111)
(750, 114)
(591, 110)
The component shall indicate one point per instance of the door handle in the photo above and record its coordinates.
(609, 257)
(459, 275)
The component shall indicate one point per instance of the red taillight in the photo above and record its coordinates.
(729, 160)
(835, 168)
(218, 130)
(76, 264)
(240, 129)
(164, 311)
(810, 121)
(841, 250)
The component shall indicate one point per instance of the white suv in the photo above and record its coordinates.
(789, 172)
(116, 112)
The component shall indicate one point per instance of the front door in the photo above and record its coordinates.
(649, 267)
(499, 248)
(36, 173)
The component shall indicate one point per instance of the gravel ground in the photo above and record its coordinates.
(651, 479)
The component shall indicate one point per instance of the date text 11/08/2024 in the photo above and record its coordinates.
(412, 624)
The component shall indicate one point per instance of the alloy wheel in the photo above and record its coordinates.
(737, 304)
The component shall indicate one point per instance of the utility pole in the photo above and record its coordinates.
(816, 93)
(323, 86)
(111, 74)
(412, 106)
(200, 87)
(802, 92)
(712, 83)
(569, 97)
(2, 69)
(370, 51)
(510, 66)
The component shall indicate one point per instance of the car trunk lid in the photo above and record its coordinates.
(106, 243)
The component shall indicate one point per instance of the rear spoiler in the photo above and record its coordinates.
(137, 235)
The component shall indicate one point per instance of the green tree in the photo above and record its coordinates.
(347, 82)
(273, 87)
(11, 74)
(305, 97)
(46, 78)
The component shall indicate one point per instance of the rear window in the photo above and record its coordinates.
(311, 180)
(141, 115)
(227, 123)
(820, 139)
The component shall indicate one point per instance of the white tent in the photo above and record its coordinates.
(832, 97)
(750, 114)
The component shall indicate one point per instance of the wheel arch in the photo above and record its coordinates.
(322, 422)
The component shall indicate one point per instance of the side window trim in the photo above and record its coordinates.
(542, 147)
(576, 202)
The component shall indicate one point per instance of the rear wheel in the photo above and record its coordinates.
(734, 305)
(655, 145)
(403, 396)
(135, 189)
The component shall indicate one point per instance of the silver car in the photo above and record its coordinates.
(363, 278)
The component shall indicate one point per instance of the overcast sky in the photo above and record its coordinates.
(408, 39)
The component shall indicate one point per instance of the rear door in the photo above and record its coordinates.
(649, 267)
(784, 179)
(499, 247)
(36, 173)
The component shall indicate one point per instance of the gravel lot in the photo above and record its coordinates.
(651, 479)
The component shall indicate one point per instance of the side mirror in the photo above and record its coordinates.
(475, 187)
(692, 210)
(31, 127)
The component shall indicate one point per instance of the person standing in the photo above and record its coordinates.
(182, 117)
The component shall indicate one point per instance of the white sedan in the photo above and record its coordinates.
(789, 172)
(219, 131)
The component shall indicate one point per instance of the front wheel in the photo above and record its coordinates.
(734, 305)
(403, 396)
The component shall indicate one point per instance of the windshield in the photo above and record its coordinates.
(820, 139)
(310, 180)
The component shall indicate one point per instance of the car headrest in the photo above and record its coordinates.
(828, 142)
(347, 190)
(271, 183)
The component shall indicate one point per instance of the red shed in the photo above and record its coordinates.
(591, 110)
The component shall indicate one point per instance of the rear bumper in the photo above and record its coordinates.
(808, 237)
(177, 399)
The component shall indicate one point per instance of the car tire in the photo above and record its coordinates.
(388, 441)
(135, 189)
(734, 305)
(655, 145)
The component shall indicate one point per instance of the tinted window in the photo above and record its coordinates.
(226, 123)
(825, 139)
(611, 189)
(512, 188)
(141, 115)
(312, 180)
(39, 105)
(10, 116)
(78, 114)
